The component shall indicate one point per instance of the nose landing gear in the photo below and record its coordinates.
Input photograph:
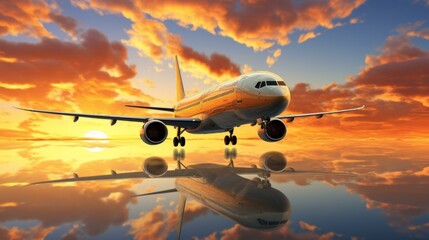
(178, 139)
(231, 138)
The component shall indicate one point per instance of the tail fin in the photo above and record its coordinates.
(180, 214)
(179, 83)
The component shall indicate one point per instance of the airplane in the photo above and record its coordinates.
(252, 203)
(255, 98)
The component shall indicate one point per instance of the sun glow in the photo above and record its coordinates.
(95, 140)
(95, 135)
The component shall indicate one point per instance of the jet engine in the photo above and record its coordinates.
(273, 131)
(273, 161)
(155, 166)
(153, 132)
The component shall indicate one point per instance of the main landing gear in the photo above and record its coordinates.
(178, 139)
(231, 138)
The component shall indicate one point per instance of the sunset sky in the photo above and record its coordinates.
(95, 56)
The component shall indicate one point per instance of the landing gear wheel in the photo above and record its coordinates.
(178, 139)
(182, 141)
(175, 141)
(234, 139)
(226, 140)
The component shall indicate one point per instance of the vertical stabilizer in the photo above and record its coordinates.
(180, 213)
(179, 84)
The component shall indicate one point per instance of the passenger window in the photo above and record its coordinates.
(281, 83)
(262, 84)
(271, 83)
(258, 84)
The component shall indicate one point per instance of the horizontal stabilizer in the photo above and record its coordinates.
(153, 108)
(159, 192)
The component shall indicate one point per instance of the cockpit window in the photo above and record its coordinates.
(262, 84)
(264, 222)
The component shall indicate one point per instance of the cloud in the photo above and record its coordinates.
(307, 226)
(421, 34)
(392, 86)
(252, 23)
(152, 38)
(272, 59)
(240, 232)
(35, 233)
(26, 17)
(355, 21)
(307, 36)
(65, 205)
(72, 76)
(247, 68)
(159, 223)
(73, 234)
(67, 24)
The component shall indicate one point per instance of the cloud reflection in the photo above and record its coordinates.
(392, 176)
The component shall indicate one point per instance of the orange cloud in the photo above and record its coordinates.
(273, 59)
(252, 23)
(393, 87)
(159, 223)
(152, 38)
(307, 36)
(68, 76)
(66, 204)
(36, 233)
(240, 232)
(307, 226)
(28, 17)
(248, 22)
(67, 24)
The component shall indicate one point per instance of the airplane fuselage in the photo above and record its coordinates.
(240, 101)
(235, 197)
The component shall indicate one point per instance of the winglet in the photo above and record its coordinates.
(179, 84)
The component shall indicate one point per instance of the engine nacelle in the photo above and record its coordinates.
(273, 131)
(153, 132)
(155, 166)
(273, 161)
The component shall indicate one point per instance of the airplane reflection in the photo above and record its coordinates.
(252, 203)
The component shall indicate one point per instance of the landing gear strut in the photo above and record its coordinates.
(178, 139)
(231, 138)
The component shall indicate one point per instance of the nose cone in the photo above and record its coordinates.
(276, 100)
(279, 95)
(275, 94)
(269, 209)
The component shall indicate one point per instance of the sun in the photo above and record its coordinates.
(95, 140)
(95, 135)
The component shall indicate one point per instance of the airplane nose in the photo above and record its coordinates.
(279, 96)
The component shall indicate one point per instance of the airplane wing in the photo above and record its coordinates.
(178, 122)
(182, 173)
(292, 117)
(121, 176)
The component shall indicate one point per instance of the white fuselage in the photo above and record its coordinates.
(240, 101)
